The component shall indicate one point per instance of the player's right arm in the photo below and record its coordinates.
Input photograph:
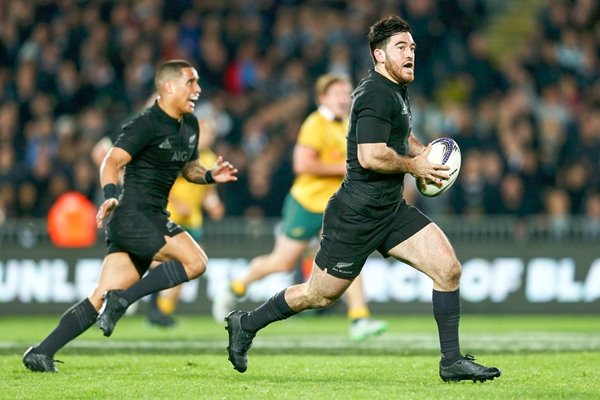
(306, 161)
(380, 158)
(308, 148)
(113, 163)
(212, 204)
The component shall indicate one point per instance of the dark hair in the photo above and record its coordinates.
(382, 30)
(169, 68)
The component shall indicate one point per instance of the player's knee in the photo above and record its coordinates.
(452, 272)
(322, 301)
(196, 268)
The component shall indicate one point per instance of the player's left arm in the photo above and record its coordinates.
(222, 172)
(415, 147)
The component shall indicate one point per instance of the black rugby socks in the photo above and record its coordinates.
(446, 310)
(76, 320)
(274, 309)
(166, 275)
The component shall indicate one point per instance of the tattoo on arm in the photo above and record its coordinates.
(194, 172)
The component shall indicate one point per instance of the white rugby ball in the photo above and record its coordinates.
(443, 151)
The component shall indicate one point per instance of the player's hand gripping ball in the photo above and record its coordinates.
(443, 151)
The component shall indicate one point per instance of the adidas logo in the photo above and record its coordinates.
(165, 144)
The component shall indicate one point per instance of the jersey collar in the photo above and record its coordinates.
(163, 115)
(328, 114)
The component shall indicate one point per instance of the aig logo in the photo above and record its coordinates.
(180, 156)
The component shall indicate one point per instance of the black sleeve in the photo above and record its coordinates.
(372, 130)
(195, 155)
(193, 121)
(374, 110)
(135, 136)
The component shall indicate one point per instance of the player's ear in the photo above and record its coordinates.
(168, 87)
(379, 55)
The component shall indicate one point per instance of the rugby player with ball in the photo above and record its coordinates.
(369, 212)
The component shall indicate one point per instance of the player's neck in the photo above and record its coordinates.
(380, 68)
(169, 109)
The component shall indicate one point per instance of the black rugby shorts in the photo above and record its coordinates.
(141, 234)
(349, 237)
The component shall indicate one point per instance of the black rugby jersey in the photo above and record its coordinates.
(368, 192)
(159, 146)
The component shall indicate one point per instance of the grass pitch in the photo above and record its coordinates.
(307, 358)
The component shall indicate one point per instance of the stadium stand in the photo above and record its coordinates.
(517, 86)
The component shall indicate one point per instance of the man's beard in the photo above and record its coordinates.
(396, 73)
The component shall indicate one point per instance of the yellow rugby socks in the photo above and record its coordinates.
(238, 288)
(358, 313)
(166, 305)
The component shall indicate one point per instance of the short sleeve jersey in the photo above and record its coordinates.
(380, 113)
(159, 146)
(328, 138)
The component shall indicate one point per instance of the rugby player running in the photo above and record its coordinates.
(369, 212)
(156, 147)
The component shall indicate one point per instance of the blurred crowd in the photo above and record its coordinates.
(528, 121)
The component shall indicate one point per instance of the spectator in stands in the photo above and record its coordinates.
(592, 217)
(74, 59)
(557, 211)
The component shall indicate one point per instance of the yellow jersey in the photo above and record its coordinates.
(328, 138)
(190, 194)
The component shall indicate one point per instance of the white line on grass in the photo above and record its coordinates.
(394, 342)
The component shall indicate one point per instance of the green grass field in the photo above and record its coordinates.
(308, 357)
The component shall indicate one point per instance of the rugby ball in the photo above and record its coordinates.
(443, 151)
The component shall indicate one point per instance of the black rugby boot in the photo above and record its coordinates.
(113, 309)
(159, 318)
(156, 317)
(465, 369)
(240, 340)
(38, 362)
